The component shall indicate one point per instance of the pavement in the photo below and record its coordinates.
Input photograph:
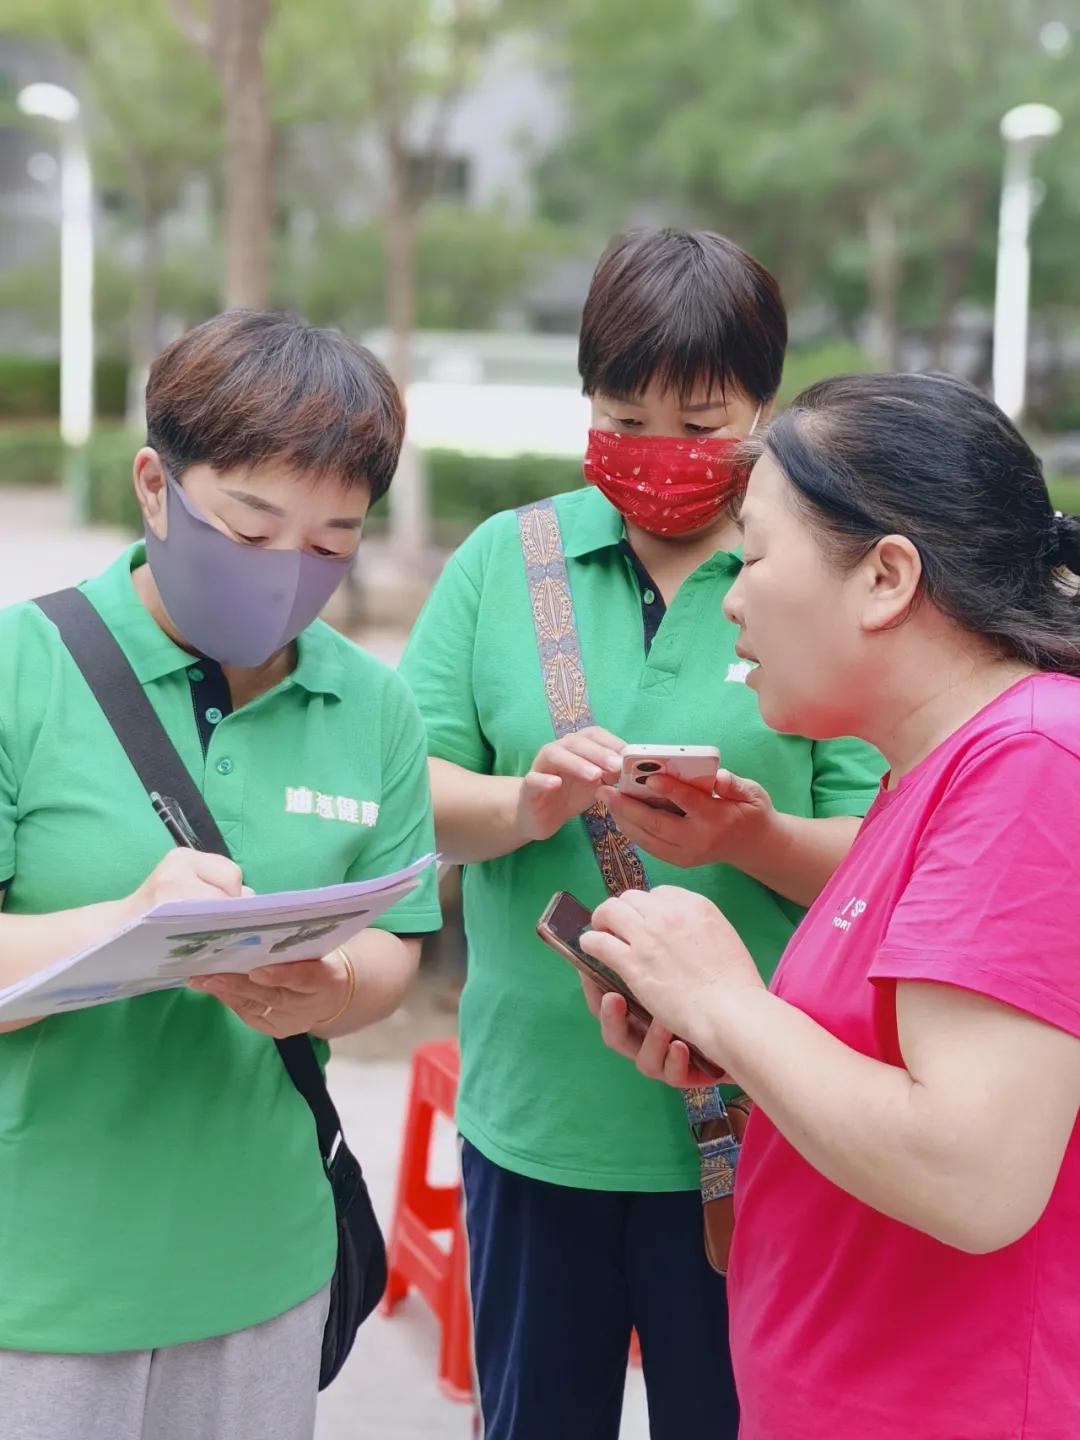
(388, 1390)
(41, 550)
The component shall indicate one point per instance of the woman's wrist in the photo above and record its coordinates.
(349, 978)
(765, 844)
(385, 965)
(512, 821)
(116, 913)
(734, 1031)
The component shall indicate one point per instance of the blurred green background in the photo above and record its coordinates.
(407, 167)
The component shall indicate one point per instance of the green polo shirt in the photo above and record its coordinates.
(540, 1094)
(160, 1179)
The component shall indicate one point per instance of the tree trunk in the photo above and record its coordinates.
(232, 41)
(143, 320)
(956, 264)
(884, 282)
(240, 26)
(409, 521)
(399, 247)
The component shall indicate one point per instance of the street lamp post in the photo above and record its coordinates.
(1023, 129)
(53, 102)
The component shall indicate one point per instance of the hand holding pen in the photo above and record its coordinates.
(278, 1000)
(185, 874)
(177, 824)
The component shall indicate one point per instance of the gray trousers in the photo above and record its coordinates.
(258, 1384)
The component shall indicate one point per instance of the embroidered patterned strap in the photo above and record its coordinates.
(719, 1159)
(704, 1104)
(568, 704)
(565, 685)
(718, 1145)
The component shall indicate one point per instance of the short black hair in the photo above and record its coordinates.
(931, 458)
(682, 307)
(250, 386)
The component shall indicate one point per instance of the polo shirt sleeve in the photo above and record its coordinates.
(405, 829)
(8, 799)
(438, 664)
(990, 905)
(847, 776)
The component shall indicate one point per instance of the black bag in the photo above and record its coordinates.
(360, 1274)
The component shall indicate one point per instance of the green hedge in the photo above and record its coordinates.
(1064, 414)
(30, 455)
(30, 388)
(1065, 493)
(465, 489)
(111, 493)
(806, 364)
(34, 456)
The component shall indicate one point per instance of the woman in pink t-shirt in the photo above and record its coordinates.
(908, 1198)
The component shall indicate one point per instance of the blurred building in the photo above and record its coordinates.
(29, 179)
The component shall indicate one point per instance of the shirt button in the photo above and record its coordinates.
(195, 674)
(649, 596)
(213, 715)
(225, 766)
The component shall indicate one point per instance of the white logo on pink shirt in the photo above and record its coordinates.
(846, 916)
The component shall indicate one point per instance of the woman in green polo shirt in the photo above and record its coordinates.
(581, 1179)
(167, 1233)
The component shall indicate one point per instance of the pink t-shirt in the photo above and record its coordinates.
(847, 1325)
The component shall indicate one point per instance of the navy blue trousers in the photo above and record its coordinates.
(559, 1279)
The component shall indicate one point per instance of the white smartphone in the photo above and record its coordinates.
(692, 764)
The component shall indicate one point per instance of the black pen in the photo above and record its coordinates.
(175, 821)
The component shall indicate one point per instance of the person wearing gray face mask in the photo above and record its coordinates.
(168, 1235)
(236, 602)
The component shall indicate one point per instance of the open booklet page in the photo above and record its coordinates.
(165, 947)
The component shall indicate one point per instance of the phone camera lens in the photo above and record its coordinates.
(648, 766)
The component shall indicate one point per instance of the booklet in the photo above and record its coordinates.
(165, 947)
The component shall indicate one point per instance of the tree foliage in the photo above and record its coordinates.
(852, 144)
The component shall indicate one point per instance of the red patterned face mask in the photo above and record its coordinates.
(665, 485)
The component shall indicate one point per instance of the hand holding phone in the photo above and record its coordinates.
(561, 926)
(694, 765)
(563, 780)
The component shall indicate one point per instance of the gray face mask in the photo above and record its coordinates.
(236, 603)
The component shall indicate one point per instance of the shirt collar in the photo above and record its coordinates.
(320, 667)
(152, 655)
(597, 525)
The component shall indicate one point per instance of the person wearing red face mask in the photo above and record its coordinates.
(582, 1191)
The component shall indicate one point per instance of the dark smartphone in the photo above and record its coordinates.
(561, 926)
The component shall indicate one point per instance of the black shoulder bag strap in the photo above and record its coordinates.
(360, 1273)
(106, 670)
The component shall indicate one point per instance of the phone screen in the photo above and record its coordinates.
(568, 922)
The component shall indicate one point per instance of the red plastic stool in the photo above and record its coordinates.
(416, 1260)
